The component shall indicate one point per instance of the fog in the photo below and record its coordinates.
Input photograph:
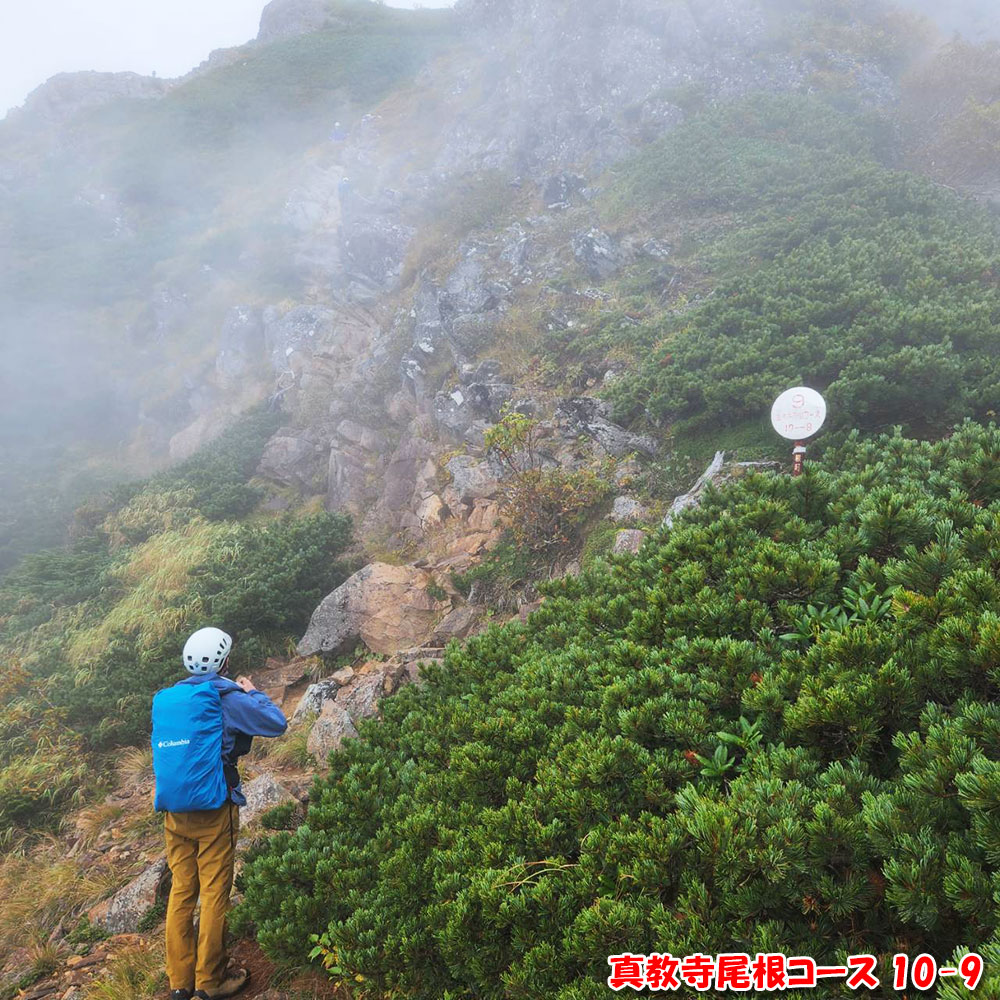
(153, 36)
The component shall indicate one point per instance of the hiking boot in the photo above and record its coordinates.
(235, 980)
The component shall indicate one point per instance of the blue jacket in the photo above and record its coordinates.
(244, 715)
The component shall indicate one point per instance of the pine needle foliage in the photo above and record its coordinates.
(833, 270)
(664, 758)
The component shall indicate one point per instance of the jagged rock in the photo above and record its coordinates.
(587, 415)
(468, 290)
(598, 253)
(628, 541)
(375, 247)
(329, 731)
(559, 190)
(410, 473)
(241, 346)
(387, 607)
(303, 330)
(123, 912)
(262, 793)
(361, 697)
(626, 509)
(363, 437)
(471, 478)
(316, 696)
(294, 461)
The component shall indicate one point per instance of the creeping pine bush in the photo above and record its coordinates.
(872, 284)
(777, 729)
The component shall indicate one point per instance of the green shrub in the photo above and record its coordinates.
(873, 285)
(667, 758)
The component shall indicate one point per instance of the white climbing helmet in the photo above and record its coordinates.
(206, 650)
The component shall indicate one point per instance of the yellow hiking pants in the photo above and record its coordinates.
(200, 853)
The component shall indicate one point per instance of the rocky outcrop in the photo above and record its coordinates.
(295, 460)
(123, 912)
(288, 18)
(315, 698)
(65, 95)
(590, 416)
(386, 607)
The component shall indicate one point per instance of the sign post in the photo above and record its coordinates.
(797, 415)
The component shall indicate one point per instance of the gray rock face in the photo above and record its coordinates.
(472, 479)
(374, 248)
(590, 416)
(329, 731)
(124, 911)
(303, 330)
(560, 189)
(693, 496)
(241, 346)
(460, 623)
(597, 253)
(294, 461)
(263, 793)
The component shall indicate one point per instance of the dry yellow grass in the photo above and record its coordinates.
(133, 974)
(157, 574)
(97, 819)
(40, 889)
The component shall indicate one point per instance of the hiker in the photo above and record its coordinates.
(201, 726)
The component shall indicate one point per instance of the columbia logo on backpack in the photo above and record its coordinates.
(187, 749)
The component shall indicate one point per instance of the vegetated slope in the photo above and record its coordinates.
(828, 268)
(774, 730)
(89, 633)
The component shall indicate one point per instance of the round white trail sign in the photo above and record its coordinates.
(798, 413)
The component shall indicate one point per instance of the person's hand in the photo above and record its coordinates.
(246, 684)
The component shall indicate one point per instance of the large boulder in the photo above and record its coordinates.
(387, 607)
(123, 912)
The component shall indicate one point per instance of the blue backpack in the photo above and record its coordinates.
(187, 748)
